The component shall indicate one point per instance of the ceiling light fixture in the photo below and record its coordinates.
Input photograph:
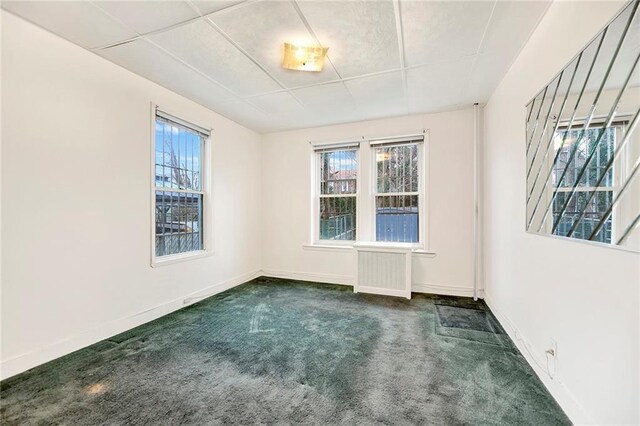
(304, 58)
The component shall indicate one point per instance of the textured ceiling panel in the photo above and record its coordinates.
(211, 6)
(437, 30)
(511, 24)
(202, 47)
(147, 60)
(261, 28)
(437, 86)
(361, 36)
(484, 76)
(379, 95)
(245, 114)
(79, 22)
(277, 104)
(145, 16)
(456, 52)
(328, 102)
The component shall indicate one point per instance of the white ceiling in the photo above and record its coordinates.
(386, 57)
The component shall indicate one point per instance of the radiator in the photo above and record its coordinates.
(383, 269)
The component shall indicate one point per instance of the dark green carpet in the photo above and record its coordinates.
(282, 352)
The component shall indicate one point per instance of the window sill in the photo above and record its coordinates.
(423, 253)
(328, 247)
(415, 250)
(178, 258)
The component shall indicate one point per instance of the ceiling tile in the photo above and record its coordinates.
(202, 47)
(361, 35)
(436, 87)
(485, 75)
(328, 103)
(511, 24)
(77, 21)
(147, 16)
(247, 115)
(280, 103)
(211, 6)
(437, 30)
(379, 95)
(150, 62)
(261, 28)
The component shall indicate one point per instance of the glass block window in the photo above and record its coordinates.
(397, 210)
(179, 193)
(338, 180)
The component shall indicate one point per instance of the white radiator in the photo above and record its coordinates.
(383, 269)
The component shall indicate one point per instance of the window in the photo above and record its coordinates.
(179, 190)
(371, 190)
(397, 192)
(596, 186)
(338, 181)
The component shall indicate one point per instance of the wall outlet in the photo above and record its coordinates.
(552, 357)
(552, 351)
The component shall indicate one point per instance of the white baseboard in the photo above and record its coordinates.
(444, 289)
(307, 276)
(574, 410)
(383, 291)
(23, 362)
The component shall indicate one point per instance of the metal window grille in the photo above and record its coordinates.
(338, 180)
(179, 193)
(397, 192)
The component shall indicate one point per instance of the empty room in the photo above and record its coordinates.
(356, 212)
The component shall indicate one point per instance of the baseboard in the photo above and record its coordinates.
(306, 276)
(442, 289)
(445, 290)
(18, 364)
(383, 291)
(573, 409)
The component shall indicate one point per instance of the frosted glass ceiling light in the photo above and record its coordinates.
(304, 58)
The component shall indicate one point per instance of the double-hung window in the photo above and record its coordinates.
(179, 190)
(397, 191)
(371, 190)
(337, 170)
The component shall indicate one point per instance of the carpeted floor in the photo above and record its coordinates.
(284, 352)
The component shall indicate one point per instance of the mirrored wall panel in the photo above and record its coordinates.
(583, 142)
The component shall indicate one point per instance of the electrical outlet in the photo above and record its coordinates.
(551, 355)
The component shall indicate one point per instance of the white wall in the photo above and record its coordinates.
(286, 189)
(77, 128)
(76, 200)
(584, 297)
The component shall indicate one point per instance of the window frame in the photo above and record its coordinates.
(207, 211)
(316, 192)
(366, 193)
(421, 193)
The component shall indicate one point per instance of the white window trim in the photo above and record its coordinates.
(423, 207)
(365, 200)
(315, 191)
(207, 203)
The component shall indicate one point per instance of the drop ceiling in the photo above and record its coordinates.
(386, 57)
